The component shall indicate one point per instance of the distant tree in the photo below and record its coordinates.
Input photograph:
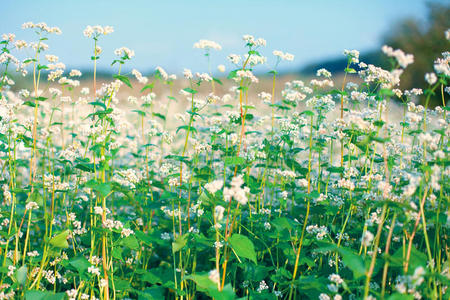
(425, 40)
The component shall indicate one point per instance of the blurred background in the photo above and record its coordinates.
(162, 33)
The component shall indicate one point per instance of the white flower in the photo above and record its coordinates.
(8, 37)
(250, 40)
(98, 210)
(187, 74)
(234, 58)
(33, 253)
(103, 283)
(162, 73)
(72, 294)
(302, 182)
(214, 276)
(417, 277)
(347, 184)
(97, 30)
(283, 56)
(218, 212)
(254, 59)
(235, 191)
(206, 44)
(367, 238)
(441, 66)
(75, 73)
(403, 59)
(353, 55)
(245, 74)
(51, 58)
(221, 68)
(321, 83)
(358, 96)
(336, 278)
(265, 96)
(11, 270)
(204, 77)
(139, 76)
(165, 236)
(42, 26)
(324, 296)
(262, 286)
(94, 270)
(214, 186)
(31, 205)
(126, 232)
(124, 51)
(323, 72)
(431, 78)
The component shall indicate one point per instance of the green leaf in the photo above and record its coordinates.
(98, 103)
(29, 103)
(147, 86)
(350, 70)
(234, 160)
(121, 285)
(42, 67)
(152, 277)
(42, 295)
(186, 127)
(85, 167)
(190, 91)
(36, 197)
(416, 259)
(243, 246)
(254, 52)
(117, 253)
(204, 284)
(21, 275)
(104, 188)
(60, 240)
(124, 79)
(282, 223)
(398, 296)
(179, 243)
(353, 261)
(336, 169)
(311, 286)
(202, 280)
(161, 116)
(227, 293)
(80, 263)
(307, 112)
(218, 81)
(140, 112)
(232, 74)
(152, 293)
(130, 242)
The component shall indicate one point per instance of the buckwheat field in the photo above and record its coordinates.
(245, 186)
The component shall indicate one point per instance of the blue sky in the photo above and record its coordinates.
(163, 32)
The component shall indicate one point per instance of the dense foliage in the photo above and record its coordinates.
(319, 192)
